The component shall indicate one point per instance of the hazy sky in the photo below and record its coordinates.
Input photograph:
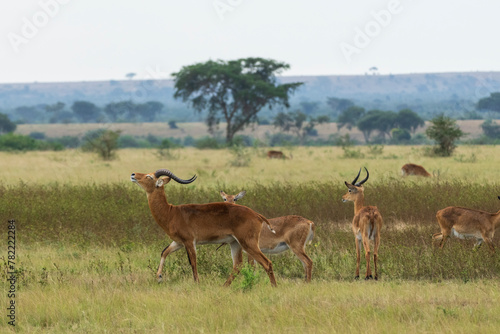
(84, 40)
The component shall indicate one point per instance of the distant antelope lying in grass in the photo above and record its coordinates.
(463, 223)
(412, 169)
(189, 225)
(366, 224)
(277, 155)
(292, 232)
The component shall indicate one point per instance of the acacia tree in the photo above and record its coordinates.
(490, 103)
(350, 116)
(445, 132)
(299, 123)
(409, 120)
(234, 91)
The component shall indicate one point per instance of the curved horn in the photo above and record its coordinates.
(166, 172)
(367, 176)
(356, 178)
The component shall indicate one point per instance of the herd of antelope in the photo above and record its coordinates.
(240, 227)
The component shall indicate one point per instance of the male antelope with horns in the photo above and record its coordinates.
(189, 225)
(366, 224)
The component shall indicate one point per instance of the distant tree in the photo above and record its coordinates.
(491, 103)
(399, 135)
(172, 125)
(491, 129)
(338, 104)
(85, 111)
(382, 121)
(298, 123)
(55, 108)
(445, 132)
(6, 125)
(57, 111)
(309, 107)
(234, 91)
(349, 117)
(29, 114)
(409, 120)
(116, 110)
(148, 111)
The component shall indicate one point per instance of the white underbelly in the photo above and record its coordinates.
(228, 239)
(465, 235)
(280, 248)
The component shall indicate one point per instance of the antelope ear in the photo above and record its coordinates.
(352, 187)
(498, 197)
(162, 181)
(240, 195)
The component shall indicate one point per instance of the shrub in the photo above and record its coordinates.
(13, 142)
(67, 141)
(491, 129)
(172, 125)
(445, 132)
(207, 143)
(165, 150)
(241, 156)
(37, 135)
(103, 142)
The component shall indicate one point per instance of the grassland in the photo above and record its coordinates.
(472, 128)
(88, 248)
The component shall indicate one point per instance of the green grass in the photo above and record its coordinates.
(64, 288)
(88, 248)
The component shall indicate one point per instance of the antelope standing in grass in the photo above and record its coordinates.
(189, 225)
(366, 224)
(463, 223)
(412, 169)
(292, 232)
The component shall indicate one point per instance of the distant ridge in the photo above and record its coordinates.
(385, 91)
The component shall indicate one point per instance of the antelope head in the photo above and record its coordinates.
(232, 198)
(355, 189)
(152, 181)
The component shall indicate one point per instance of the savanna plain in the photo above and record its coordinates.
(87, 247)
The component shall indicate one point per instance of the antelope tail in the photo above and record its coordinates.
(372, 223)
(264, 220)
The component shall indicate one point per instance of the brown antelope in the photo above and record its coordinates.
(291, 232)
(276, 155)
(366, 224)
(412, 169)
(463, 223)
(189, 225)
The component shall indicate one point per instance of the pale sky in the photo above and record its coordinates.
(86, 40)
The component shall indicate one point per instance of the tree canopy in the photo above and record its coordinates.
(6, 125)
(349, 117)
(233, 91)
(85, 111)
(491, 103)
(299, 123)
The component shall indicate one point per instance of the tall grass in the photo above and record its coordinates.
(88, 247)
(117, 215)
